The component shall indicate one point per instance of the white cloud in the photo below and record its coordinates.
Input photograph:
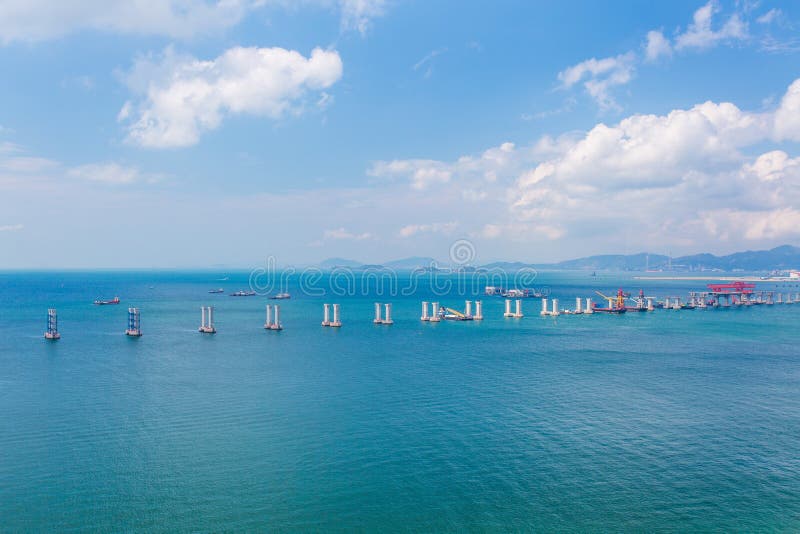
(436, 228)
(657, 46)
(688, 178)
(35, 173)
(358, 14)
(108, 173)
(774, 165)
(423, 172)
(27, 164)
(37, 20)
(600, 76)
(770, 16)
(733, 224)
(82, 82)
(11, 228)
(687, 164)
(566, 107)
(700, 34)
(182, 97)
(426, 173)
(341, 233)
(7, 147)
(787, 117)
(40, 20)
(428, 60)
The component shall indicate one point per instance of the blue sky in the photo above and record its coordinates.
(193, 133)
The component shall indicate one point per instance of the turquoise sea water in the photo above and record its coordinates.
(671, 420)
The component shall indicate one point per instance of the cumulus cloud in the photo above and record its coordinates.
(773, 166)
(657, 46)
(700, 33)
(599, 76)
(787, 117)
(732, 224)
(688, 163)
(684, 179)
(181, 96)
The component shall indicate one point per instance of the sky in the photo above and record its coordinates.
(202, 133)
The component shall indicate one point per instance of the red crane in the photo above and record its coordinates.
(735, 287)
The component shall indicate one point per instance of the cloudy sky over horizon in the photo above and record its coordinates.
(182, 133)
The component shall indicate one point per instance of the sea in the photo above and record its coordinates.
(662, 421)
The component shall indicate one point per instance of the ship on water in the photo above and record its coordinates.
(513, 293)
(615, 304)
(242, 293)
(101, 302)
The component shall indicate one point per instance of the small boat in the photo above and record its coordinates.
(214, 291)
(281, 296)
(99, 302)
(241, 293)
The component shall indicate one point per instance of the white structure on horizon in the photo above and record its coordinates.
(435, 318)
(207, 320)
(273, 321)
(326, 321)
(326, 315)
(134, 323)
(478, 311)
(337, 322)
(425, 316)
(387, 316)
(52, 325)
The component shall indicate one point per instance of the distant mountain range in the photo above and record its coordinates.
(779, 258)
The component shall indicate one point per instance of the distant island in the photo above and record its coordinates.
(782, 258)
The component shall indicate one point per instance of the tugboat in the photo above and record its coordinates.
(99, 302)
